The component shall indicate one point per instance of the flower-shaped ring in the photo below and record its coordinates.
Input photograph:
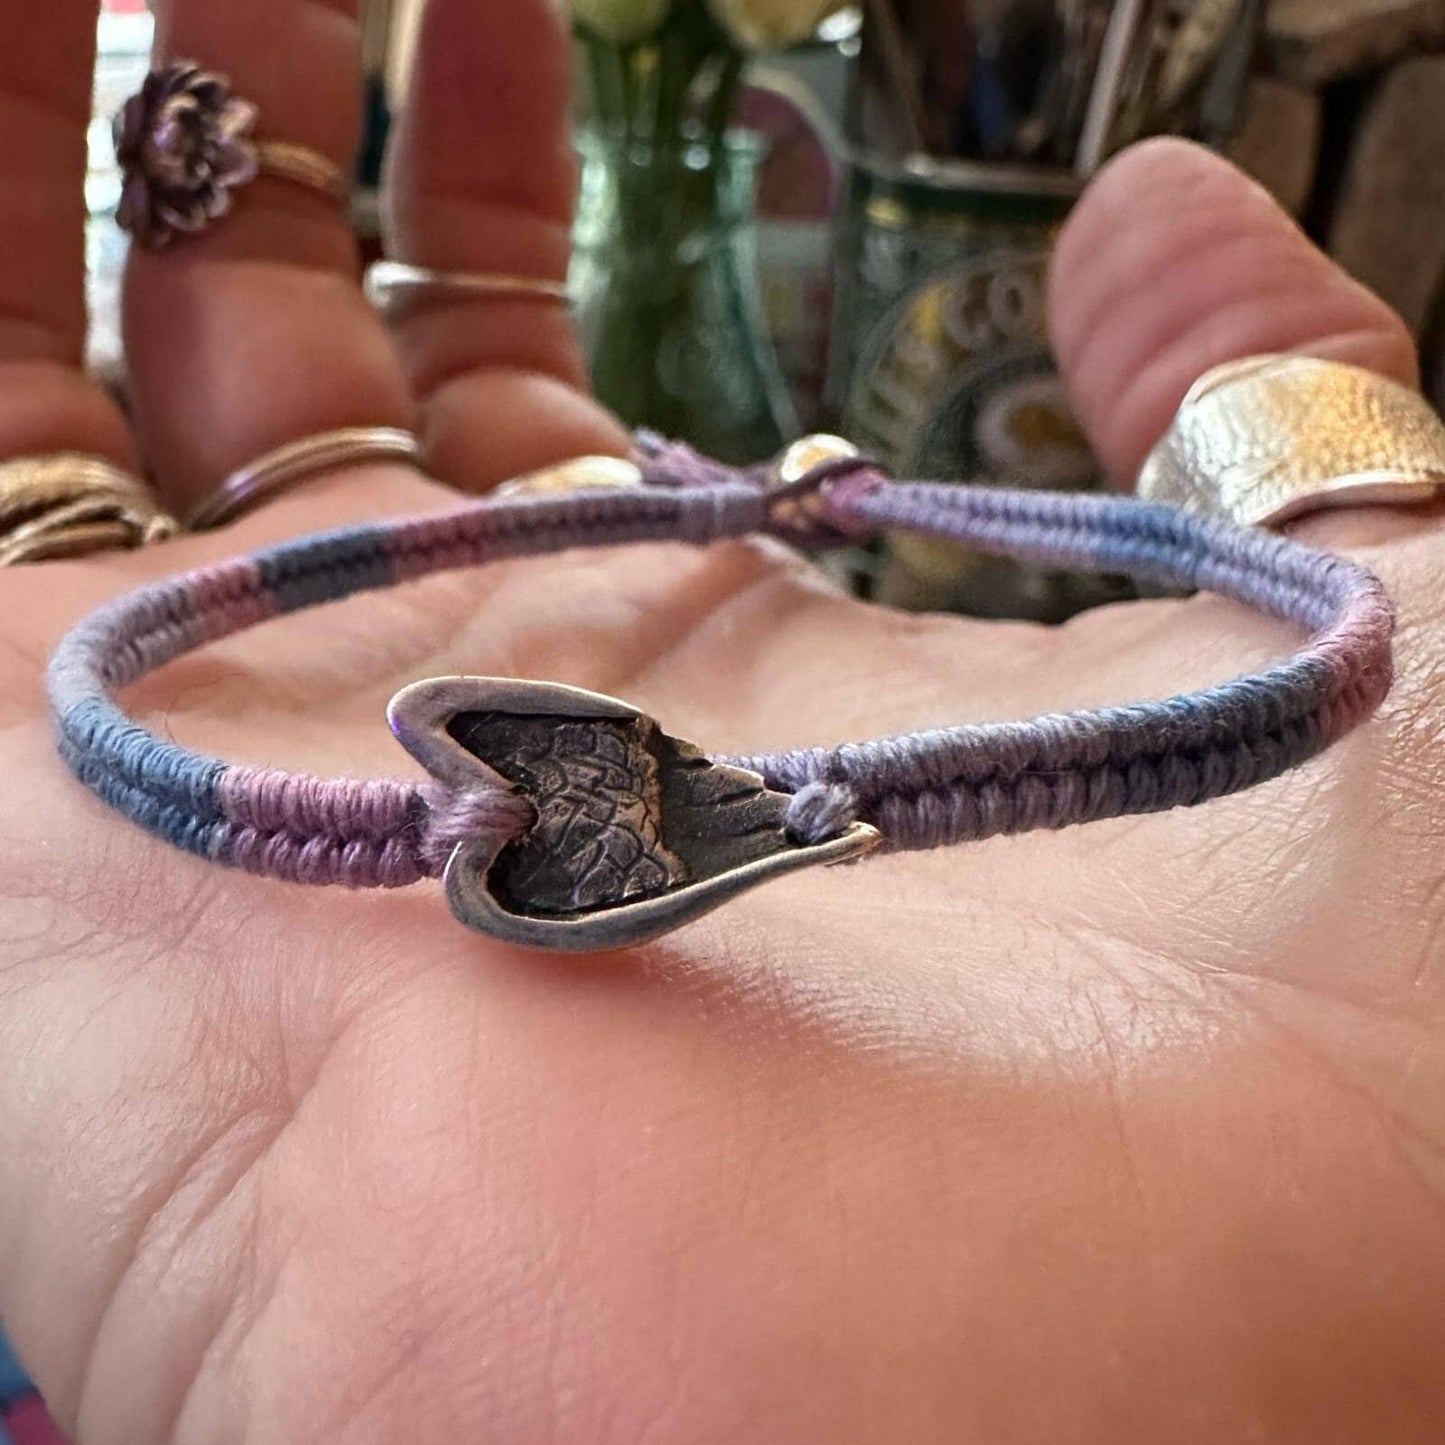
(185, 144)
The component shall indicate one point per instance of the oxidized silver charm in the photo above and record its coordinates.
(636, 832)
(184, 145)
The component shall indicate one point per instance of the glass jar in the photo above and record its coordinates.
(664, 284)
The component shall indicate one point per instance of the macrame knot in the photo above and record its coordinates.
(470, 815)
(677, 466)
(816, 510)
(821, 811)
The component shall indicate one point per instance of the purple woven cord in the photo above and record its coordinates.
(925, 790)
(921, 790)
(293, 826)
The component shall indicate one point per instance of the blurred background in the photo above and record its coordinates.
(797, 217)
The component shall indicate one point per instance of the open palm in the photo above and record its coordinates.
(1130, 1132)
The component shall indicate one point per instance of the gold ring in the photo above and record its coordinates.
(301, 166)
(1270, 438)
(71, 504)
(301, 461)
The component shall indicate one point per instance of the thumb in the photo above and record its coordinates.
(1175, 262)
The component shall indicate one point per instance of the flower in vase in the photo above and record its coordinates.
(771, 24)
(621, 22)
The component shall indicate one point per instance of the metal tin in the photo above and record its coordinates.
(941, 365)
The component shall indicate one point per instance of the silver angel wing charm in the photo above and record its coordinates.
(636, 832)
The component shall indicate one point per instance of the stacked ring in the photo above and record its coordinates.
(299, 461)
(71, 505)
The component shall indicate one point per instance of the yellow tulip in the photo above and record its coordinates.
(771, 24)
(623, 22)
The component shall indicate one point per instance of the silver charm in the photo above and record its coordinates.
(636, 832)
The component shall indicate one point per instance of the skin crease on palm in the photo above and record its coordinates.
(1131, 1132)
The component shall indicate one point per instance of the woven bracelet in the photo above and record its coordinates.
(565, 820)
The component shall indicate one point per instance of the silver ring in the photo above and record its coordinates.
(299, 461)
(1267, 439)
(390, 284)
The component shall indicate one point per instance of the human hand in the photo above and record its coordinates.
(1124, 1132)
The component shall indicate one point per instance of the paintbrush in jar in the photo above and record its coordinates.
(888, 49)
(1197, 43)
(1121, 39)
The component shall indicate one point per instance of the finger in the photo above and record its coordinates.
(256, 333)
(482, 180)
(48, 403)
(1174, 262)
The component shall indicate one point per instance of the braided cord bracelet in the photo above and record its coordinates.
(565, 820)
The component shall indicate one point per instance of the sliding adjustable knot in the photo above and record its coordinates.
(715, 501)
(811, 487)
(676, 466)
(805, 496)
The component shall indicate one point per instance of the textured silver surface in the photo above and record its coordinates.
(596, 787)
(1272, 437)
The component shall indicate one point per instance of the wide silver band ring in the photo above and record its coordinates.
(1270, 438)
(301, 461)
